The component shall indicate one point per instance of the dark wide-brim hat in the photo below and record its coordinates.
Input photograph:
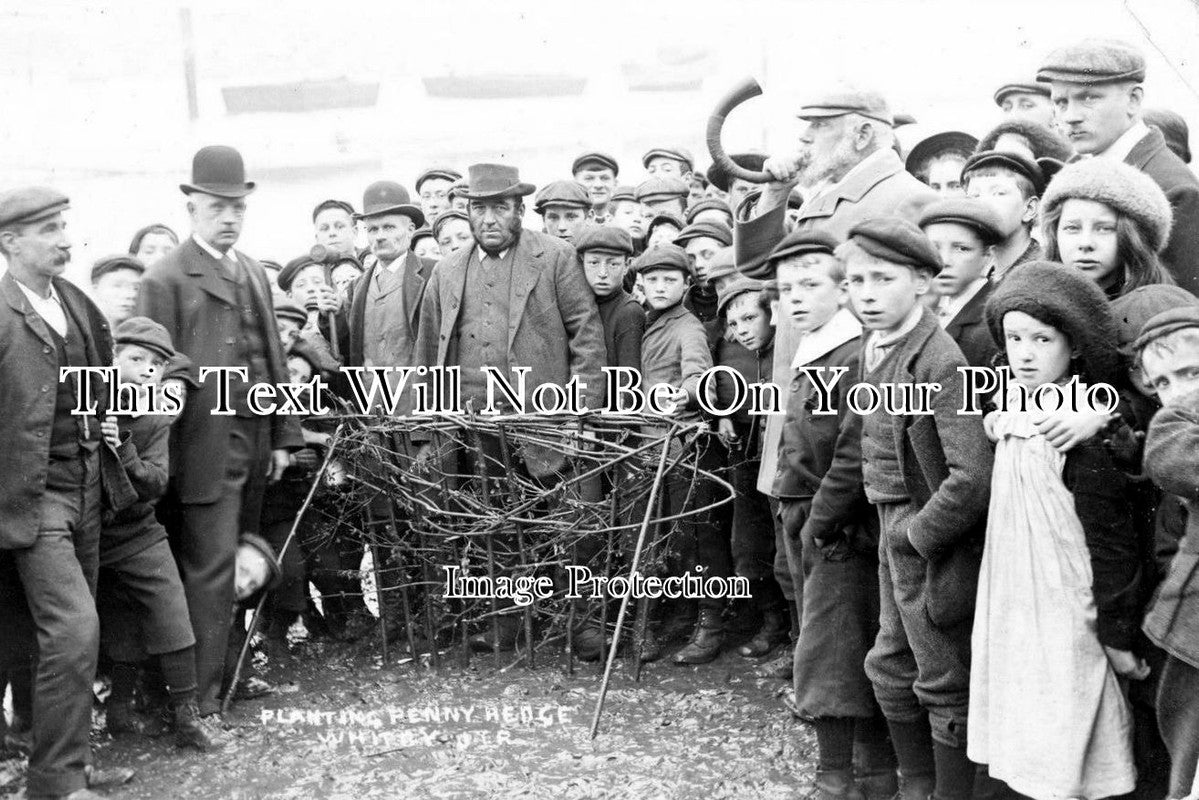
(389, 197)
(494, 181)
(942, 142)
(751, 160)
(218, 170)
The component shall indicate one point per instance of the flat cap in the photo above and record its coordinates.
(973, 214)
(562, 193)
(458, 188)
(1094, 61)
(287, 275)
(445, 216)
(1010, 161)
(1020, 88)
(327, 204)
(423, 232)
(112, 263)
(1173, 128)
(1165, 323)
(1134, 309)
(625, 193)
(734, 289)
(286, 309)
(803, 242)
(713, 230)
(661, 189)
(663, 218)
(663, 256)
(848, 100)
(708, 204)
(30, 204)
(604, 237)
(722, 264)
(675, 153)
(443, 173)
(595, 160)
(147, 333)
(897, 241)
(751, 160)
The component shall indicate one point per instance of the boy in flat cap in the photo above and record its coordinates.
(1096, 89)
(668, 162)
(1029, 101)
(660, 194)
(710, 209)
(50, 489)
(142, 605)
(433, 189)
(1011, 185)
(1168, 349)
(451, 229)
(333, 227)
(564, 206)
(929, 477)
(827, 552)
(675, 351)
(964, 234)
(115, 280)
(1033, 141)
(597, 172)
(604, 253)
(626, 213)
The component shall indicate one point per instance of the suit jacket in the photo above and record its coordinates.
(879, 189)
(969, 329)
(189, 294)
(28, 382)
(554, 325)
(1181, 255)
(352, 324)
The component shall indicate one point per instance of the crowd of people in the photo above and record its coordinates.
(993, 605)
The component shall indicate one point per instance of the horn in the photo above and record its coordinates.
(743, 91)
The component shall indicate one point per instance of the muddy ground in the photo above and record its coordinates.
(344, 726)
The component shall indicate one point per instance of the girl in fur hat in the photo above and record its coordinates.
(1057, 611)
(1109, 220)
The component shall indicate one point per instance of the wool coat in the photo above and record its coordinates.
(1181, 255)
(188, 294)
(969, 329)
(29, 379)
(675, 351)
(352, 324)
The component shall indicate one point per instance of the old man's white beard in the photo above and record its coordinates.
(832, 167)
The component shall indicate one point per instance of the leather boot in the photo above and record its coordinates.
(651, 649)
(781, 667)
(917, 787)
(192, 730)
(706, 639)
(836, 784)
(773, 632)
(120, 716)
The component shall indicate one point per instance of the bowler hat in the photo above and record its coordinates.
(218, 170)
(751, 160)
(144, 332)
(389, 197)
(112, 263)
(495, 181)
(30, 204)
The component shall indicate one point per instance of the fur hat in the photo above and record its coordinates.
(1126, 189)
(1066, 299)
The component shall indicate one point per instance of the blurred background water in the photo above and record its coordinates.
(96, 98)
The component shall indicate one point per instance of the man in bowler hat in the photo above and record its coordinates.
(215, 303)
(50, 488)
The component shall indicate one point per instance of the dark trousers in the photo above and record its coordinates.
(704, 538)
(142, 606)
(53, 583)
(753, 523)
(1178, 719)
(915, 664)
(207, 550)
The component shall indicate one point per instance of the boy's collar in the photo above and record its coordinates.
(841, 327)
(907, 326)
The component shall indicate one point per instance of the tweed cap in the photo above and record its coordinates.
(663, 218)
(457, 188)
(751, 160)
(1125, 188)
(662, 189)
(848, 100)
(562, 193)
(1094, 61)
(292, 268)
(974, 214)
(423, 232)
(1173, 128)
(286, 309)
(1020, 88)
(327, 204)
(664, 256)
(112, 263)
(674, 153)
(802, 242)
(735, 289)
(713, 230)
(722, 264)
(625, 194)
(595, 160)
(1070, 302)
(1134, 309)
(439, 173)
(708, 204)
(445, 216)
(31, 204)
(897, 241)
(147, 333)
(1167, 322)
(608, 238)
(1011, 161)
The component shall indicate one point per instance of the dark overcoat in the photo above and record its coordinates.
(969, 329)
(1181, 256)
